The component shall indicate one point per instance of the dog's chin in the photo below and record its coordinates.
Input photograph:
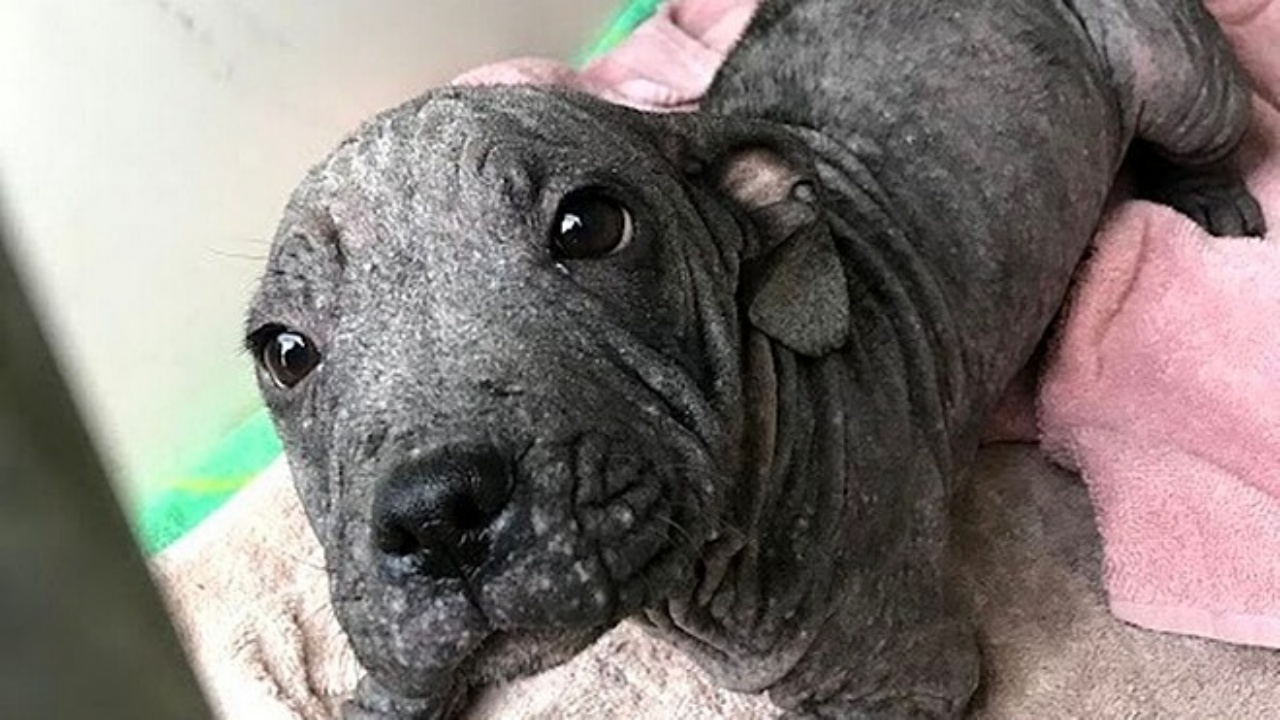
(412, 642)
(507, 655)
(416, 636)
(501, 657)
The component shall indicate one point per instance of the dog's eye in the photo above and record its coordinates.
(589, 224)
(288, 355)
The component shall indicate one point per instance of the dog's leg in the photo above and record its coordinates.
(917, 660)
(1192, 107)
(897, 643)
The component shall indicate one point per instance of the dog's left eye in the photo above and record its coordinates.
(287, 355)
(590, 224)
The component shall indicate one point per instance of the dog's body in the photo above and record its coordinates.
(744, 419)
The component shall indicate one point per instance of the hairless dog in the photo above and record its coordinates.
(542, 363)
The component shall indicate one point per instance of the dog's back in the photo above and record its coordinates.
(991, 131)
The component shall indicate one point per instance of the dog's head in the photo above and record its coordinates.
(501, 336)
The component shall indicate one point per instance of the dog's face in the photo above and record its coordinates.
(500, 336)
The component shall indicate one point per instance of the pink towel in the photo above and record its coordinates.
(666, 64)
(1164, 391)
(1163, 388)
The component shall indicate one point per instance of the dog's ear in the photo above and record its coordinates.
(801, 297)
(794, 285)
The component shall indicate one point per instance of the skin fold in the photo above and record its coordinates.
(745, 424)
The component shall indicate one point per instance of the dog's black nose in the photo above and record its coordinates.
(432, 516)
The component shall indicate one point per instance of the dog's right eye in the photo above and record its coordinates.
(287, 355)
(590, 224)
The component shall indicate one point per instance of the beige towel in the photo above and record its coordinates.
(249, 596)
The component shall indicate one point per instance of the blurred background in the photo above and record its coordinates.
(147, 148)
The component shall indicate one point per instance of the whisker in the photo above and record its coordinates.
(688, 537)
(237, 256)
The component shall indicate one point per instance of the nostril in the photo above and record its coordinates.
(432, 516)
(395, 541)
(467, 514)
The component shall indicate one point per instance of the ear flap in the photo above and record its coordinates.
(796, 291)
(801, 297)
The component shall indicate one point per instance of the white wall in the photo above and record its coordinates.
(147, 146)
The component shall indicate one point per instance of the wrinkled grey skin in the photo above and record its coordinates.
(746, 426)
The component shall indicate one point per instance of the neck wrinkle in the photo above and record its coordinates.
(893, 288)
(759, 603)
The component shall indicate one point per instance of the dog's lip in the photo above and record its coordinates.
(487, 658)
(541, 650)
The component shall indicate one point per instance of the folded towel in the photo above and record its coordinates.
(1163, 385)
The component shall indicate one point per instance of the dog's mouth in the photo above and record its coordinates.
(596, 529)
(507, 654)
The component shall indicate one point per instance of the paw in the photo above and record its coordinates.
(1213, 195)
(1223, 210)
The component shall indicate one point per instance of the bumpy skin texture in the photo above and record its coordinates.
(746, 426)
